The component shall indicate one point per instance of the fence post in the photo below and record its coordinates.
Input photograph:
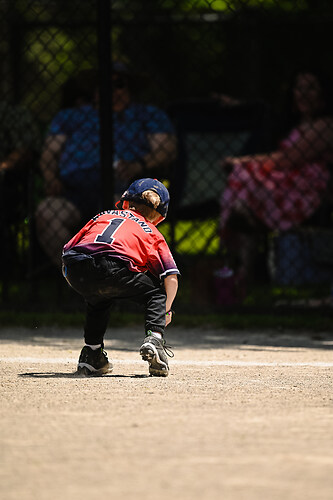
(105, 101)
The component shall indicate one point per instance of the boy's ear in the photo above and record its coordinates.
(125, 204)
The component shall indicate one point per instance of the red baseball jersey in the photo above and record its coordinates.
(126, 235)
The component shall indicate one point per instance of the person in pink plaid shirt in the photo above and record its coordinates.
(281, 189)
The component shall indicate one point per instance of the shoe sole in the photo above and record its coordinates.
(157, 367)
(86, 370)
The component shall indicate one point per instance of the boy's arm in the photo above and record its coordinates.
(171, 287)
(49, 164)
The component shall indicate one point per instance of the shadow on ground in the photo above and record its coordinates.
(54, 375)
(129, 339)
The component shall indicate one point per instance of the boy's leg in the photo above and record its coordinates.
(153, 349)
(93, 359)
(81, 274)
(144, 289)
(147, 290)
(155, 310)
(97, 318)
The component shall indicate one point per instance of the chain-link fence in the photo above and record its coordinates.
(227, 102)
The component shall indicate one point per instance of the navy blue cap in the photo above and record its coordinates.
(135, 190)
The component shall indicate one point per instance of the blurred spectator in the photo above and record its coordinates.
(143, 136)
(19, 149)
(20, 143)
(281, 189)
(143, 141)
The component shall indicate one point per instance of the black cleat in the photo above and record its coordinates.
(93, 362)
(155, 352)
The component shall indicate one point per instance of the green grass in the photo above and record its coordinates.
(194, 236)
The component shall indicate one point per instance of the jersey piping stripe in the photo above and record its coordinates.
(169, 271)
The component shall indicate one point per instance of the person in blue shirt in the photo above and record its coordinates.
(143, 139)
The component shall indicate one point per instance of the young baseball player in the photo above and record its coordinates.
(120, 254)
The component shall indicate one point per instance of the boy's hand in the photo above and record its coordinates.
(168, 317)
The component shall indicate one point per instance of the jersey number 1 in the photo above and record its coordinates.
(111, 228)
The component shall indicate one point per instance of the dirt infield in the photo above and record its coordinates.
(241, 416)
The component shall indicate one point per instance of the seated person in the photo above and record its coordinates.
(281, 189)
(20, 143)
(143, 141)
